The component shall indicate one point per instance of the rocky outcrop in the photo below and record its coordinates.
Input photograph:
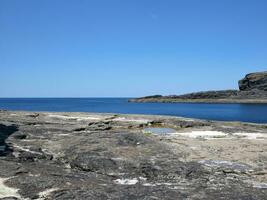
(221, 94)
(252, 81)
(252, 89)
(104, 156)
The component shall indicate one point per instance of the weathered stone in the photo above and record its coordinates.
(82, 159)
(20, 136)
(94, 162)
(129, 139)
(100, 126)
(254, 81)
(34, 156)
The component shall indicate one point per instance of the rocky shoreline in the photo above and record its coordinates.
(252, 89)
(108, 156)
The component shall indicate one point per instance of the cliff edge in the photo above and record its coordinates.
(252, 89)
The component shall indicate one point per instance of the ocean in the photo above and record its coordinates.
(256, 113)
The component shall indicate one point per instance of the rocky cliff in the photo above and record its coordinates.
(254, 81)
(252, 89)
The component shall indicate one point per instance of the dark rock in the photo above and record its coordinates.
(100, 126)
(31, 123)
(79, 129)
(94, 162)
(33, 115)
(30, 186)
(5, 132)
(190, 124)
(79, 194)
(254, 81)
(9, 168)
(33, 156)
(209, 95)
(227, 167)
(153, 96)
(150, 170)
(252, 89)
(171, 170)
(155, 123)
(20, 136)
(132, 139)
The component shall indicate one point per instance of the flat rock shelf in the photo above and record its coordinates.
(109, 156)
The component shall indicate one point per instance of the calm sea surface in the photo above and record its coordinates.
(226, 112)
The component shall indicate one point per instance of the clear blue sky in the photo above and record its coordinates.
(112, 48)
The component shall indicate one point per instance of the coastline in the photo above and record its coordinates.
(77, 114)
(116, 155)
(208, 101)
(252, 89)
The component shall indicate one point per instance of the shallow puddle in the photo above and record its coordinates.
(159, 131)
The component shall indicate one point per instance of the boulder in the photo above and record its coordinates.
(254, 81)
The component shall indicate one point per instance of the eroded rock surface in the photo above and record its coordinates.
(254, 81)
(100, 156)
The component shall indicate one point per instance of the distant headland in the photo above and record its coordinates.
(252, 89)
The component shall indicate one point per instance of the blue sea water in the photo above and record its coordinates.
(226, 112)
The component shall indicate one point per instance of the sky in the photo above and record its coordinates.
(128, 48)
